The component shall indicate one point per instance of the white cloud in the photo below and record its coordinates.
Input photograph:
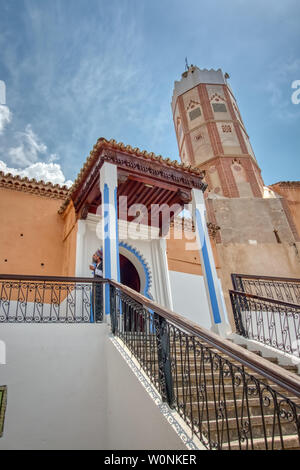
(29, 148)
(53, 158)
(5, 117)
(26, 155)
(48, 172)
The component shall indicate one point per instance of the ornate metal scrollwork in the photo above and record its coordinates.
(44, 302)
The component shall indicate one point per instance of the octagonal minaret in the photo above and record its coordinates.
(211, 134)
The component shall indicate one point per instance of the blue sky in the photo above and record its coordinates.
(78, 70)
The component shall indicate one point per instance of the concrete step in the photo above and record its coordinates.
(209, 378)
(207, 369)
(290, 443)
(227, 428)
(274, 360)
(185, 363)
(181, 355)
(256, 421)
(213, 391)
(208, 409)
(232, 429)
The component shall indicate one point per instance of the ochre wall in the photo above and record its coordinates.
(40, 250)
(183, 259)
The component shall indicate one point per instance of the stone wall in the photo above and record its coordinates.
(252, 220)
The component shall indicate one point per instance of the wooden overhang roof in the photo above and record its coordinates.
(143, 177)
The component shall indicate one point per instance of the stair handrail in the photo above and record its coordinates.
(265, 299)
(264, 277)
(258, 364)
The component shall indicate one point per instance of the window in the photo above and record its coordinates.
(226, 128)
(219, 107)
(195, 113)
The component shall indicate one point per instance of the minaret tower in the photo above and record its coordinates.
(211, 134)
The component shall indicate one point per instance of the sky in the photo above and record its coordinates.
(77, 70)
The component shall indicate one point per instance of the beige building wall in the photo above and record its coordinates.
(252, 220)
(290, 191)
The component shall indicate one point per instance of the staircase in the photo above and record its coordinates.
(274, 360)
(227, 406)
(231, 398)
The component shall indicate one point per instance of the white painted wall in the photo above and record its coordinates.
(69, 388)
(189, 297)
(133, 419)
(55, 376)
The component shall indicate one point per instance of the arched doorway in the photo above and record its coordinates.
(134, 322)
(129, 274)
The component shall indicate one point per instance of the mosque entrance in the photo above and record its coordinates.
(129, 274)
(130, 278)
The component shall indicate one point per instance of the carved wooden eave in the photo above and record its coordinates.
(32, 186)
(133, 163)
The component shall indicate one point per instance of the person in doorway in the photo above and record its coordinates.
(97, 299)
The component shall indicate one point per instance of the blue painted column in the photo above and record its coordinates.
(219, 323)
(110, 232)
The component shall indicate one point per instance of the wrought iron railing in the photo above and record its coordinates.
(230, 398)
(277, 288)
(268, 321)
(35, 299)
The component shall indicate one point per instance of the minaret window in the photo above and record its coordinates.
(226, 128)
(195, 113)
(219, 107)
